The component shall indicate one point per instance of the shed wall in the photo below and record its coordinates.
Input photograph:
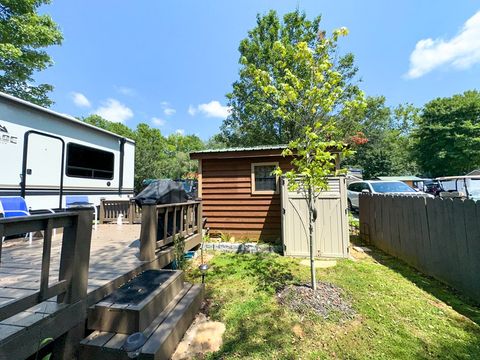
(228, 202)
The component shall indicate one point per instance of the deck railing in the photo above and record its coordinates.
(162, 223)
(111, 209)
(74, 259)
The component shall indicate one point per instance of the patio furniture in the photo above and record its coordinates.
(76, 201)
(13, 206)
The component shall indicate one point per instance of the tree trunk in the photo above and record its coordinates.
(311, 221)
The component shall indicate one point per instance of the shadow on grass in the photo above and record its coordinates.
(450, 296)
(260, 333)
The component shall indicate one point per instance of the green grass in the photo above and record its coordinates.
(401, 313)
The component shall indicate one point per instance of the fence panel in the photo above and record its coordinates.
(440, 237)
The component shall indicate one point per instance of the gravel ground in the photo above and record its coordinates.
(327, 301)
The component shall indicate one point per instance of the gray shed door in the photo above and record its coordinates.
(331, 227)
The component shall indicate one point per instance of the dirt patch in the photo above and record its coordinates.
(202, 337)
(328, 301)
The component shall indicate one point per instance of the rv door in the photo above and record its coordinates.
(43, 166)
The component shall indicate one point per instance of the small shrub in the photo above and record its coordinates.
(226, 237)
(179, 252)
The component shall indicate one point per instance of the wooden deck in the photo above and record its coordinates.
(114, 259)
(114, 252)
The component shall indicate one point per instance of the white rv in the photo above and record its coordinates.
(46, 156)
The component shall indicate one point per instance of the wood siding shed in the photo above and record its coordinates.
(229, 202)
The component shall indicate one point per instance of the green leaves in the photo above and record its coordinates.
(290, 77)
(447, 141)
(23, 35)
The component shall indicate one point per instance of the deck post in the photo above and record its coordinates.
(74, 263)
(131, 211)
(75, 256)
(101, 219)
(199, 218)
(148, 232)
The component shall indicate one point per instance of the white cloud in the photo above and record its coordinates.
(114, 111)
(211, 109)
(124, 90)
(169, 111)
(191, 110)
(157, 121)
(180, 132)
(460, 52)
(167, 108)
(80, 100)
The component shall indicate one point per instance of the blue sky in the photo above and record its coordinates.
(170, 63)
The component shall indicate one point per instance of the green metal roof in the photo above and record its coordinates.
(239, 149)
(399, 178)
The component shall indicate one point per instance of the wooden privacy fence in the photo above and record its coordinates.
(111, 209)
(439, 237)
(71, 287)
(161, 223)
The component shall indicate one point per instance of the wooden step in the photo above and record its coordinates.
(163, 334)
(126, 310)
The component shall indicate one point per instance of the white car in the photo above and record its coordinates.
(378, 187)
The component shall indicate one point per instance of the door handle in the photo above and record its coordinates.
(29, 171)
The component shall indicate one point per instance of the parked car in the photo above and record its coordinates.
(378, 187)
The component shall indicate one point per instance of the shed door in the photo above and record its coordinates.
(331, 227)
(43, 171)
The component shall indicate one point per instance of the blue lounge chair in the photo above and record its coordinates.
(73, 201)
(13, 206)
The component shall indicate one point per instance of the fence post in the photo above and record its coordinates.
(148, 232)
(74, 262)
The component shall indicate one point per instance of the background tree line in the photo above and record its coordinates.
(268, 102)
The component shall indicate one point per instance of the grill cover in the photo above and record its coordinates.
(162, 192)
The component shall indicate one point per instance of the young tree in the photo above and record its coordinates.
(307, 98)
(447, 141)
(270, 52)
(314, 160)
(23, 35)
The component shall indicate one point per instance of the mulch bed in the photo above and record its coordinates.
(328, 301)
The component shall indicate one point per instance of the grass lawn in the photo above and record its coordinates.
(401, 314)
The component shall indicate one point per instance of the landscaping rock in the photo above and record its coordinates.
(242, 248)
(327, 301)
(202, 337)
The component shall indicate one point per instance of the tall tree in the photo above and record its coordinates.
(447, 141)
(269, 53)
(23, 36)
(388, 147)
(176, 164)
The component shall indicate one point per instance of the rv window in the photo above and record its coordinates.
(87, 162)
(263, 181)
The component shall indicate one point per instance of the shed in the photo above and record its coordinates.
(240, 196)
